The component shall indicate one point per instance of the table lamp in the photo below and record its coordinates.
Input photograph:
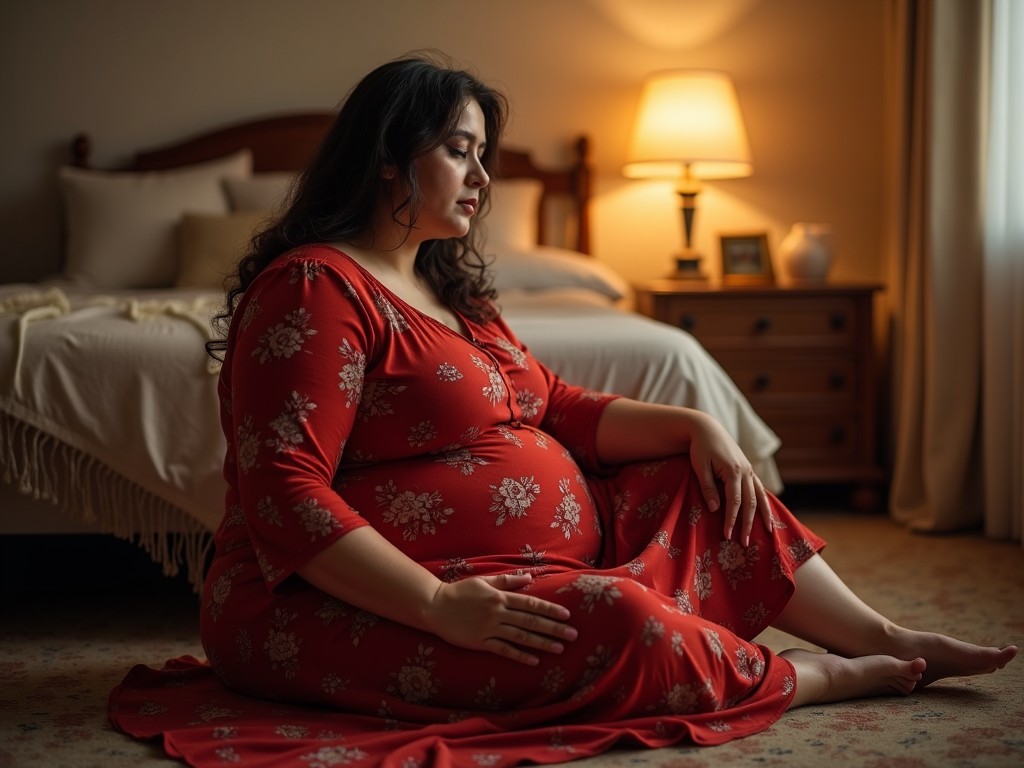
(688, 127)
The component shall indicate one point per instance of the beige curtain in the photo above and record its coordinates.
(955, 277)
(1003, 294)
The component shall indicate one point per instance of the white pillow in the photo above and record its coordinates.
(120, 226)
(260, 192)
(211, 246)
(511, 221)
(546, 267)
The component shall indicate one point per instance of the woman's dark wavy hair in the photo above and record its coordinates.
(397, 113)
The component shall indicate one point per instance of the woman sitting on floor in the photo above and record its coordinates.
(462, 555)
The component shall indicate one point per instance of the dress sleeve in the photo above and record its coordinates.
(572, 416)
(297, 357)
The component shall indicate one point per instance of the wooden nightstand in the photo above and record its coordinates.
(804, 357)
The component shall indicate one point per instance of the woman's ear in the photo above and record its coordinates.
(388, 172)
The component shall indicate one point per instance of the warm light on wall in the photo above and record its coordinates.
(688, 127)
(675, 25)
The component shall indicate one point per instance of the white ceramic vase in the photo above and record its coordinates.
(805, 254)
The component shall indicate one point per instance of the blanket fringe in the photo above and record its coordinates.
(46, 468)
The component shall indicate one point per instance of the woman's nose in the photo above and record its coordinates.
(478, 176)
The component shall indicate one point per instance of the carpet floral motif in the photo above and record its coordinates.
(61, 655)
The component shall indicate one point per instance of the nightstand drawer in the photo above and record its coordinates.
(812, 438)
(792, 379)
(804, 358)
(724, 324)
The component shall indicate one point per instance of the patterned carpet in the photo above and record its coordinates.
(62, 651)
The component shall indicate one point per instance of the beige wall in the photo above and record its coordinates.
(809, 74)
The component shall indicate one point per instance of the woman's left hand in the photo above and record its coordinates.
(716, 458)
(630, 430)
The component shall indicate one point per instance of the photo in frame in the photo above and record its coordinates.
(746, 259)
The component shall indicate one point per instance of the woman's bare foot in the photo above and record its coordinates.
(947, 656)
(823, 677)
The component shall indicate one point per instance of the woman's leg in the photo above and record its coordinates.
(824, 611)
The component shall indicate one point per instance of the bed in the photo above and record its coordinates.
(108, 410)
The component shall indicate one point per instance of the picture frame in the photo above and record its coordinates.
(746, 259)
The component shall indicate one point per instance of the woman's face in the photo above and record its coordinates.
(451, 177)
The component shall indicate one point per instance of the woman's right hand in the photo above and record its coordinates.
(488, 613)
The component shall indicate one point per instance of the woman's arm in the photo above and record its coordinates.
(606, 429)
(366, 570)
(630, 430)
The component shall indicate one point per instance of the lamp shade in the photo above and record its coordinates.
(689, 124)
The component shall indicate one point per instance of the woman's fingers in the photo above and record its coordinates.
(531, 618)
(510, 652)
(709, 485)
(508, 581)
(514, 641)
(525, 622)
(765, 506)
(748, 509)
(537, 608)
(746, 498)
(733, 492)
(755, 503)
(524, 638)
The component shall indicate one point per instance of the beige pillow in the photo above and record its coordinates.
(210, 247)
(261, 192)
(549, 268)
(512, 219)
(120, 227)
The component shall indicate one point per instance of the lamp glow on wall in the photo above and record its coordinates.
(688, 127)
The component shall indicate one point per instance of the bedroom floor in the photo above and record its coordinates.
(63, 647)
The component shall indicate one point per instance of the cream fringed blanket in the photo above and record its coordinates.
(108, 410)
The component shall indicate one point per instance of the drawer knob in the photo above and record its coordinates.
(837, 381)
(837, 321)
(762, 324)
(762, 382)
(687, 322)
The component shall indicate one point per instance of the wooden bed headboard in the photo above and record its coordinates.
(287, 142)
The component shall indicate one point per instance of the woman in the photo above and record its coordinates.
(428, 531)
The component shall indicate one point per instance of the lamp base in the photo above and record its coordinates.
(687, 267)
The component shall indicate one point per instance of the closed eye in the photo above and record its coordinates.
(456, 152)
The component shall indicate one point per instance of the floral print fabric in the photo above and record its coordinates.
(344, 407)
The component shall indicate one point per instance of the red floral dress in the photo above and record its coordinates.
(343, 407)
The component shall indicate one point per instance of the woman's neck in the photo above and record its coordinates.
(400, 262)
(386, 243)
